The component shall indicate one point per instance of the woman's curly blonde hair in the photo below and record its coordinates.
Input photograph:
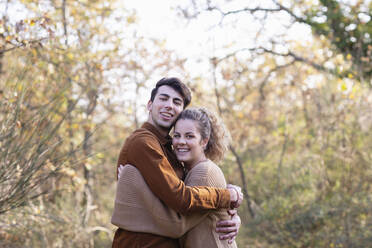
(211, 128)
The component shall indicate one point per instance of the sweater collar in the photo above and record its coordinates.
(163, 140)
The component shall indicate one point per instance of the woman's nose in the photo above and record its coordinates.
(181, 140)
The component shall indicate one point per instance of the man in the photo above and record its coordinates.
(149, 150)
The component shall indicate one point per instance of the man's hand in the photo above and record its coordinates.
(229, 228)
(236, 195)
(120, 170)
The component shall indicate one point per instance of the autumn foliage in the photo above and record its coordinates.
(75, 78)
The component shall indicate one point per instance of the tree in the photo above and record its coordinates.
(92, 64)
(30, 152)
(295, 110)
(347, 27)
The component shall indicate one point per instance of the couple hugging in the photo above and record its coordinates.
(169, 192)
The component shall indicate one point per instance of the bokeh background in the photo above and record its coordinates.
(290, 79)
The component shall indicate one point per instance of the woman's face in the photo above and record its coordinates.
(187, 143)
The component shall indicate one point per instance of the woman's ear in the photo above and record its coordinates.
(204, 143)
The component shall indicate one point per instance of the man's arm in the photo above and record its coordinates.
(166, 222)
(137, 209)
(146, 154)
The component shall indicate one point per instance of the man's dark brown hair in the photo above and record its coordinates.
(175, 84)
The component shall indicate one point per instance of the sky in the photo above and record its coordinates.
(203, 37)
(159, 19)
(190, 40)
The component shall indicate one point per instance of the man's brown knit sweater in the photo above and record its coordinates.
(152, 155)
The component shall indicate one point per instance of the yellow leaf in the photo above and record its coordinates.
(8, 38)
(348, 56)
(350, 75)
(70, 55)
(49, 165)
(130, 110)
(69, 172)
(32, 22)
(131, 19)
(343, 86)
(100, 155)
(354, 89)
(99, 67)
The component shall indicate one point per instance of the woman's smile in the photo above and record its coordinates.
(187, 142)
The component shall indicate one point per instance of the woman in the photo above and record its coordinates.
(198, 139)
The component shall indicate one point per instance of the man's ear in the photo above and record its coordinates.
(149, 104)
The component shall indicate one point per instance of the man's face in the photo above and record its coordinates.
(165, 108)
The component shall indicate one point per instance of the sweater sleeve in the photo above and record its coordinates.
(137, 209)
(146, 154)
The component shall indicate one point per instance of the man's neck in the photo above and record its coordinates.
(163, 131)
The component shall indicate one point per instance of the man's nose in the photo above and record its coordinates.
(169, 104)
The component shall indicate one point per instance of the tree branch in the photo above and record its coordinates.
(299, 59)
(64, 21)
(236, 155)
(23, 44)
(251, 10)
(290, 12)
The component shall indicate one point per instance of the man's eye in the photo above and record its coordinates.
(178, 103)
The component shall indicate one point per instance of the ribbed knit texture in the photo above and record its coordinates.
(138, 209)
(204, 235)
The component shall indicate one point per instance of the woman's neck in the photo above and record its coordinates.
(191, 165)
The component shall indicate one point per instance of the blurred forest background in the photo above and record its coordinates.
(74, 78)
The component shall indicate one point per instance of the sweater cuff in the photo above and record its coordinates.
(225, 199)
